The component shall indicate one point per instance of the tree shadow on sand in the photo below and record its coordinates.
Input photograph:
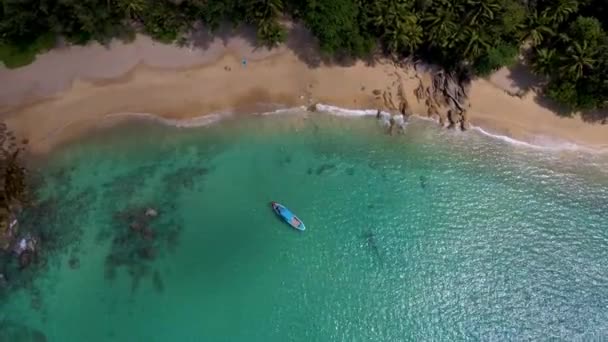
(298, 39)
(522, 80)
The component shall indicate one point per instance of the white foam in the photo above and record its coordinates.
(198, 121)
(344, 111)
(291, 110)
(540, 143)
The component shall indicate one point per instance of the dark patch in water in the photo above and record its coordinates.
(35, 299)
(350, 171)
(140, 236)
(158, 283)
(74, 263)
(137, 272)
(422, 181)
(127, 185)
(53, 223)
(285, 161)
(324, 168)
(309, 171)
(173, 238)
(17, 332)
(185, 177)
(370, 240)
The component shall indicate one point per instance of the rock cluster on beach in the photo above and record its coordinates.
(445, 96)
(442, 94)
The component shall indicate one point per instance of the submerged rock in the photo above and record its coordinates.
(400, 121)
(384, 119)
(150, 212)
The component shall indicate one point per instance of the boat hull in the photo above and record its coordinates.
(287, 216)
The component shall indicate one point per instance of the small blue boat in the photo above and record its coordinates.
(287, 216)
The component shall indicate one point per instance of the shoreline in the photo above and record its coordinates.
(56, 99)
(326, 109)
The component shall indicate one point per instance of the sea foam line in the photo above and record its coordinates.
(551, 146)
(209, 119)
(198, 121)
(344, 111)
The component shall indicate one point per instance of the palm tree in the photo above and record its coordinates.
(560, 11)
(260, 10)
(441, 27)
(405, 34)
(544, 60)
(132, 8)
(536, 29)
(579, 57)
(477, 44)
(398, 25)
(482, 9)
(264, 14)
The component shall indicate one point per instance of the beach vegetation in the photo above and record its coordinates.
(265, 14)
(564, 41)
(16, 55)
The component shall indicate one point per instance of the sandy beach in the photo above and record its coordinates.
(70, 90)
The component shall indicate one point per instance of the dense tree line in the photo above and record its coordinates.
(565, 39)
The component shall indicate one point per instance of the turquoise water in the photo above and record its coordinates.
(433, 235)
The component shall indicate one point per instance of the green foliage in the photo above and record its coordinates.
(14, 56)
(559, 11)
(214, 12)
(536, 28)
(497, 57)
(563, 92)
(575, 55)
(337, 26)
(164, 21)
(586, 29)
(567, 38)
(543, 61)
(264, 14)
(396, 24)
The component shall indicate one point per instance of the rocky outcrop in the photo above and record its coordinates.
(446, 98)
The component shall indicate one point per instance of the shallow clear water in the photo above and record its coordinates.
(434, 235)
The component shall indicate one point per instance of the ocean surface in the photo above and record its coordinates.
(432, 235)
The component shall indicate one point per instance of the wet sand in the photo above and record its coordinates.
(68, 91)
